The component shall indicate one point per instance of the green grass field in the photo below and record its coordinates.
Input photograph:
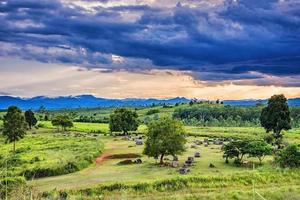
(98, 174)
(114, 181)
(47, 153)
(88, 127)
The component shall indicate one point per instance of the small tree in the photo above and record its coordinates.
(276, 117)
(123, 120)
(14, 125)
(30, 118)
(62, 121)
(288, 157)
(259, 149)
(165, 137)
(235, 149)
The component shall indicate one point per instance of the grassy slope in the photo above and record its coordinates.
(88, 127)
(44, 149)
(110, 172)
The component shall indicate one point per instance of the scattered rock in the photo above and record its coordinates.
(191, 159)
(183, 170)
(174, 164)
(211, 165)
(125, 162)
(197, 154)
(138, 142)
(138, 161)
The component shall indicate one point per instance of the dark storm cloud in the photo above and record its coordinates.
(225, 42)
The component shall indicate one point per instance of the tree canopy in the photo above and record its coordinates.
(289, 157)
(165, 137)
(14, 125)
(276, 117)
(62, 121)
(123, 120)
(30, 118)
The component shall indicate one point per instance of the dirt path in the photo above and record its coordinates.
(101, 158)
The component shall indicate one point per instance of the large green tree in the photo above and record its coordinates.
(14, 125)
(30, 118)
(276, 117)
(62, 121)
(165, 137)
(123, 120)
(259, 149)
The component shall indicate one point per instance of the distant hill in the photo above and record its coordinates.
(252, 102)
(82, 101)
(89, 101)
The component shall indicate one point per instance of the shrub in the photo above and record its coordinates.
(12, 183)
(152, 111)
(288, 157)
(63, 195)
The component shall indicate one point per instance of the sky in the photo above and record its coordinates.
(206, 49)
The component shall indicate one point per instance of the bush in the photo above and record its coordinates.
(63, 195)
(151, 112)
(288, 157)
(12, 183)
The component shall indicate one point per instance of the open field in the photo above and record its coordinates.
(293, 135)
(95, 171)
(88, 127)
(150, 181)
(46, 153)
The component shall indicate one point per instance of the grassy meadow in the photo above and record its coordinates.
(84, 163)
(44, 152)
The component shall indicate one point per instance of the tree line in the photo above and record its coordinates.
(225, 116)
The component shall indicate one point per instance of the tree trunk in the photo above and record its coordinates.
(162, 159)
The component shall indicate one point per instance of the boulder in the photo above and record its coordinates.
(191, 158)
(183, 170)
(174, 164)
(211, 165)
(197, 154)
(138, 161)
(138, 142)
(188, 162)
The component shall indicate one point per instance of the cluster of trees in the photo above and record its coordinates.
(63, 122)
(15, 124)
(91, 119)
(123, 120)
(225, 115)
(240, 148)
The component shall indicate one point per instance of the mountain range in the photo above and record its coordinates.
(89, 101)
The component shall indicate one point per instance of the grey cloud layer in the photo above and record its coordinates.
(215, 40)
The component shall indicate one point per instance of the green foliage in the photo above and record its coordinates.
(30, 118)
(239, 148)
(44, 154)
(14, 125)
(152, 111)
(259, 149)
(62, 121)
(288, 157)
(165, 137)
(235, 149)
(10, 183)
(218, 115)
(123, 120)
(276, 117)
